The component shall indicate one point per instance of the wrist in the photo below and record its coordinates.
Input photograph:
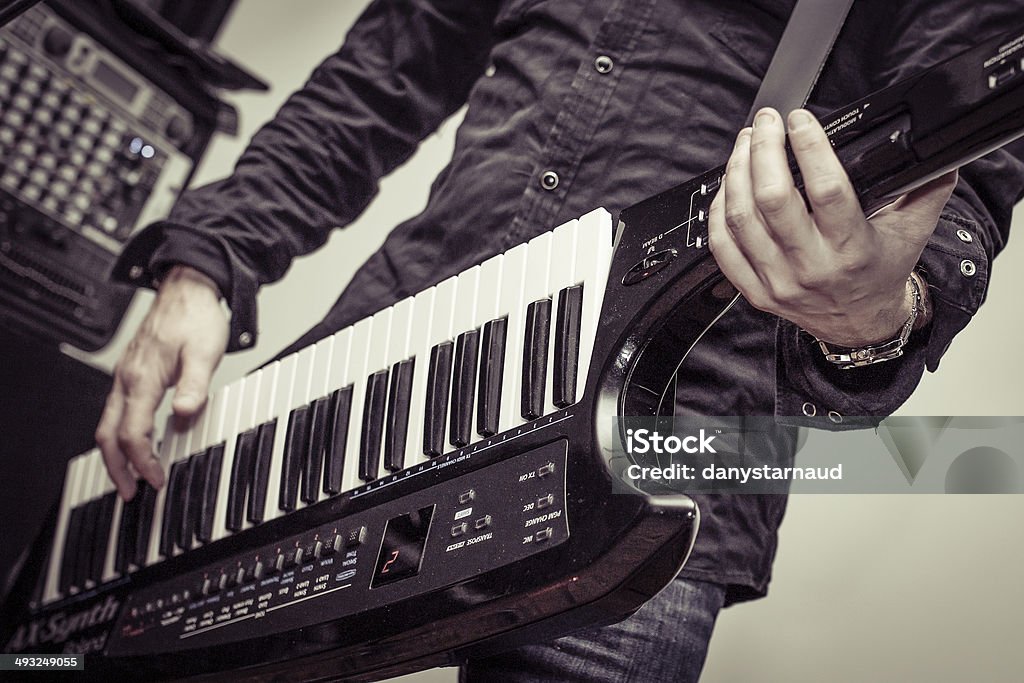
(877, 352)
(877, 324)
(181, 276)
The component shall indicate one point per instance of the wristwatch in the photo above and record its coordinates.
(848, 357)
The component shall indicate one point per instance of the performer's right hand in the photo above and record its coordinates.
(180, 343)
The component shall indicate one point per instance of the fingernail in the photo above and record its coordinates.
(765, 118)
(799, 118)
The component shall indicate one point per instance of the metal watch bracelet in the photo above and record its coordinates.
(846, 358)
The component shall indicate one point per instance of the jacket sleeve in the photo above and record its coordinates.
(404, 67)
(957, 261)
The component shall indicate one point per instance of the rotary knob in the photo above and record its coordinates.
(57, 41)
(176, 128)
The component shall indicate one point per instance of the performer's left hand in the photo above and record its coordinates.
(837, 275)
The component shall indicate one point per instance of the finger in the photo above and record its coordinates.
(775, 194)
(193, 382)
(837, 212)
(733, 264)
(106, 439)
(142, 395)
(740, 214)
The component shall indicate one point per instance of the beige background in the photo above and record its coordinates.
(908, 588)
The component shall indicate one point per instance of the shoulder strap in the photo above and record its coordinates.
(806, 43)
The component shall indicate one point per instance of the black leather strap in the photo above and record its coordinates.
(806, 43)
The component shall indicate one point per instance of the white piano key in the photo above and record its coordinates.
(399, 342)
(512, 304)
(246, 421)
(267, 393)
(591, 265)
(297, 395)
(536, 287)
(181, 452)
(464, 309)
(107, 487)
(399, 330)
(538, 268)
(109, 571)
(338, 377)
(216, 417)
(281, 407)
(376, 356)
(488, 290)
(96, 476)
(487, 299)
(167, 443)
(356, 374)
(198, 433)
(51, 588)
(82, 491)
(463, 320)
(232, 416)
(426, 321)
(196, 441)
(560, 276)
(319, 377)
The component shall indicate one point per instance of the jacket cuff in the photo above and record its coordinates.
(811, 392)
(153, 251)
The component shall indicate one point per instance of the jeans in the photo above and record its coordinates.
(666, 640)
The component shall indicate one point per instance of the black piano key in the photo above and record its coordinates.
(87, 546)
(439, 379)
(104, 521)
(72, 545)
(144, 526)
(261, 471)
(238, 486)
(211, 485)
(295, 446)
(193, 499)
(373, 425)
(399, 399)
(337, 439)
(173, 507)
(535, 358)
(467, 351)
(567, 346)
(492, 370)
(319, 425)
(127, 533)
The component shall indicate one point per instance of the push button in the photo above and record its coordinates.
(545, 501)
(467, 496)
(459, 529)
(355, 537)
(333, 544)
(482, 522)
(545, 470)
(543, 534)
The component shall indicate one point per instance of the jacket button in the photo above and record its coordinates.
(964, 236)
(604, 64)
(967, 268)
(245, 339)
(810, 410)
(549, 180)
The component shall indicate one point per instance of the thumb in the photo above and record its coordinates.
(193, 383)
